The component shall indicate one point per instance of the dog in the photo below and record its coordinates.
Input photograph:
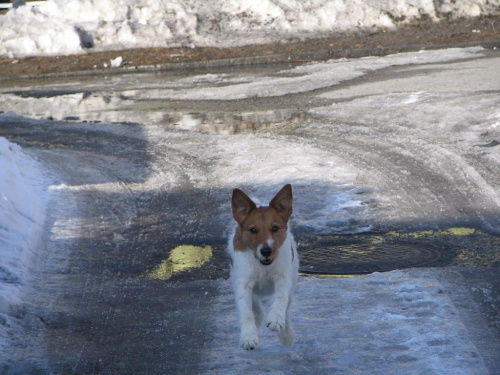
(264, 262)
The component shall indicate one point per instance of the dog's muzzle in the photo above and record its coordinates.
(266, 256)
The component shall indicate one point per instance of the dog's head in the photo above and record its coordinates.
(262, 229)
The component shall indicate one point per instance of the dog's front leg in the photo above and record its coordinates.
(249, 337)
(277, 318)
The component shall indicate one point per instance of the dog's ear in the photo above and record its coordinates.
(241, 205)
(283, 202)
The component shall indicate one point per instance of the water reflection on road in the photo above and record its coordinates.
(116, 108)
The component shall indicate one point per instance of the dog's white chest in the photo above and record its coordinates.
(264, 286)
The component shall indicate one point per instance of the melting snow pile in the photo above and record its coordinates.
(60, 27)
(21, 215)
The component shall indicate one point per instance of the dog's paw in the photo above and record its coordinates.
(287, 336)
(249, 342)
(276, 323)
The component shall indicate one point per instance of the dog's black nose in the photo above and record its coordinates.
(266, 251)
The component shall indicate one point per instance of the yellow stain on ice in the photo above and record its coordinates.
(377, 240)
(181, 259)
(454, 231)
(460, 231)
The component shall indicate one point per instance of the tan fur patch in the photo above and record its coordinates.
(238, 243)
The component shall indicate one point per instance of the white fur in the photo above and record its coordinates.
(251, 281)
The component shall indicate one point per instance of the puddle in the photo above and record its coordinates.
(236, 123)
(115, 108)
(181, 259)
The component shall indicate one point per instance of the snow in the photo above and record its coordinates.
(75, 26)
(22, 206)
(116, 63)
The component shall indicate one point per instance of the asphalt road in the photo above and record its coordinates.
(131, 181)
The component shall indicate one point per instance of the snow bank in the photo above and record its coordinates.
(21, 216)
(60, 27)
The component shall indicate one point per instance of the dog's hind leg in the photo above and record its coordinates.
(280, 306)
(287, 334)
(257, 311)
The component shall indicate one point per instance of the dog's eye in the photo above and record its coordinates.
(253, 230)
(275, 229)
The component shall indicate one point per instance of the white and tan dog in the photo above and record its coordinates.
(264, 262)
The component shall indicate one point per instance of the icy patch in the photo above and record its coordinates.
(325, 196)
(433, 77)
(415, 97)
(445, 114)
(67, 229)
(401, 322)
(22, 205)
(305, 78)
